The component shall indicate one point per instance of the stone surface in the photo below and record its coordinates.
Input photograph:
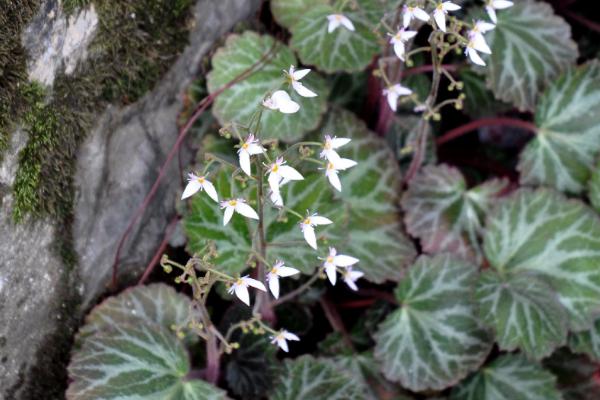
(41, 299)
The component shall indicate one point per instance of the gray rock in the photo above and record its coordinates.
(41, 299)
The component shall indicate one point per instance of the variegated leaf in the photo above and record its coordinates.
(564, 151)
(444, 214)
(524, 312)
(509, 377)
(157, 303)
(342, 49)
(242, 101)
(587, 342)
(594, 188)
(542, 232)
(434, 339)
(530, 47)
(287, 12)
(135, 362)
(316, 379)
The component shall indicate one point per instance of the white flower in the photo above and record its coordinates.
(439, 14)
(240, 288)
(331, 171)
(276, 198)
(249, 148)
(330, 145)
(393, 93)
(281, 174)
(492, 5)
(196, 183)
(279, 270)
(239, 206)
(477, 43)
(281, 339)
(350, 277)
(308, 228)
(335, 20)
(334, 260)
(398, 40)
(410, 12)
(294, 77)
(281, 100)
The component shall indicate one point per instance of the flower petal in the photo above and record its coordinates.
(351, 284)
(287, 271)
(407, 35)
(440, 20)
(392, 99)
(282, 344)
(343, 163)
(241, 292)
(245, 162)
(342, 260)
(421, 14)
(210, 190)
(274, 286)
(309, 235)
(301, 73)
(303, 90)
(399, 50)
(347, 23)
(319, 220)
(246, 210)
(191, 188)
(290, 336)
(334, 180)
(331, 273)
(475, 57)
(290, 173)
(227, 216)
(254, 283)
(492, 13)
(501, 4)
(254, 148)
(339, 142)
(449, 6)
(333, 24)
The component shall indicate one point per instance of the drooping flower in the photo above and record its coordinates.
(398, 40)
(334, 260)
(332, 169)
(335, 20)
(439, 14)
(307, 226)
(350, 277)
(281, 339)
(294, 78)
(393, 92)
(492, 5)
(411, 12)
(240, 288)
(477, 44)
(279, 270)
(249, 148)
(330, 145)
(240, 207)
(279, 173)
(282, 102)
(196, 183)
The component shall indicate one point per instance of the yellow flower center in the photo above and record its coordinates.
(201, 179)
(274, 270)
(239, 282)
(232, 203)
(440, 7)
(338, 17)
(306, 221)
(245, 146)
(329, 260)
(275, 168)
(330, 166)
(327, 145)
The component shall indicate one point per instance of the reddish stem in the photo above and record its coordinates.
(159, 251)
(591, 25)
(428, 68)
(202, 106)
(335, 320)
(213, 360)
(473, 125)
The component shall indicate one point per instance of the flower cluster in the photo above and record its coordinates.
(279, 173)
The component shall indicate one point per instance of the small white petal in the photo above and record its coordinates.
(254, 283)
(284, 102)
(399, 50)
(475, 57)
(309, 236)
(290, 336)
(492, 13)
(318, 220)
(392, 99)
(286, 271)
(303, 90)
(274, 180)
(347, 23)
(421, 14)
(407, 35)
(282, 344)
(274, 285)
(191, 188)
(440, 19)
(483, 26)
(344, 260)
(301, 73)
(290, 173)
(351, 284)
(336, 143)
(245, 162)
(331, 273)
(276, 198)
(241, 292)
(254, 148)
(245, 210)
(210, 190)
(227, 216)
(449, 6)
(334, 180)
(333, 24)
(501, 4)
(479, 44)
(406, 18)
(343, 163)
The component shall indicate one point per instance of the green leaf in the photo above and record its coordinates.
(243, 100)
(564, 151)
(342, 49)
(530, 47)
(594, 188)
(135, 362)
(509, 377)
(540, 231)
(315, 379)
(444, 214)
(287, 12)
(434, 339)
(480, 101)
(157, 303)
(402, 137)
(524, 311)
(587, 342)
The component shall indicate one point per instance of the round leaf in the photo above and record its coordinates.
(141, 362)
(342, 49)
(542, 232)
(316, 379)
(530, 47)
(509, 377)
(287, 12)
(434, 339)
(524, 311)
(563, 152)
(243, 100)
